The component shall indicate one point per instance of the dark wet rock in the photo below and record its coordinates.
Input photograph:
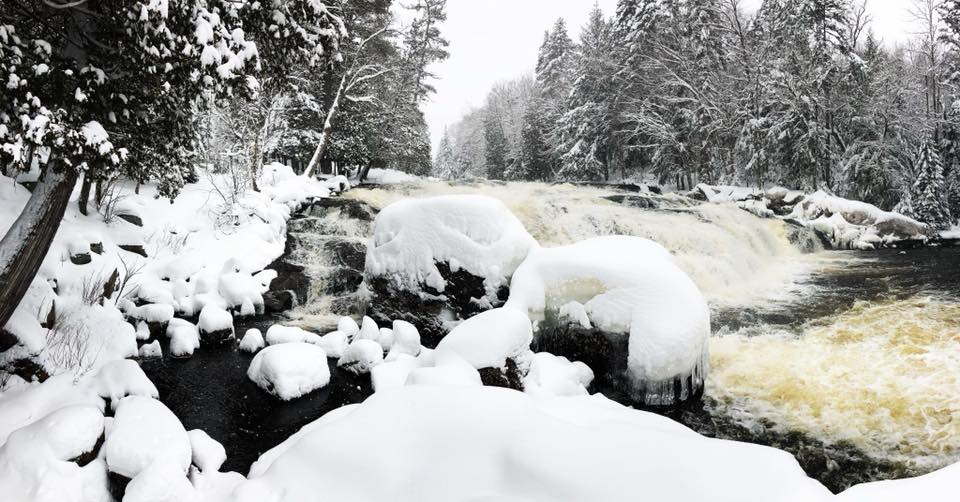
(638, 201)
(131, 218)
(117, 484)
(80, 258)
(157, 330)
(96, 247)
(27, 369)
(216, 338)
(275, 302)
(134, 248)
(348, 208)
(342, 280)
(606, 354)
(902, 229)
(462, 298)
(804, 238)
(347, 253)
(508, 377)
(87, 457)
(7, 340)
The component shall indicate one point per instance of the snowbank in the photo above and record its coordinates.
(626, 285)
(508, 449)
(290, 370)
(467, 232)
(557, 376)
(380, 176)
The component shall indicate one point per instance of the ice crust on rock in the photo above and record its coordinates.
(626, 285)
(290, 370)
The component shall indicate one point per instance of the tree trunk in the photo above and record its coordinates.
(84, 199)
(25, 245)
(327, 128)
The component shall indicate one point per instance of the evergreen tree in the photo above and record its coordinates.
(102, 88)
(929, 194)
(496, 145)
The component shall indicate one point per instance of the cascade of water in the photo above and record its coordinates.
(733, 256)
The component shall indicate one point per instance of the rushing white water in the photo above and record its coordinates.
(883, 376)
(734, 257)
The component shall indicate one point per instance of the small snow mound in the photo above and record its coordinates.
(278, 334)
(144, 431)
(252, 341)
(213, 319)
(487, 340)
(557, 376)
(448, 369)
(290, 370)
(184, 338)
(361, 356)
(151, 350)
(406, 340)
(161, 481)
(208, 454)
(476, 233)
(369, 329)
(348, 326)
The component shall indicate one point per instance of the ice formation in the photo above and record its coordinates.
(631, 286)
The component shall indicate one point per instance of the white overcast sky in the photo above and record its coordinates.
(496, 40)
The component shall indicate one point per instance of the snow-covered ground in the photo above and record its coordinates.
(431, 431)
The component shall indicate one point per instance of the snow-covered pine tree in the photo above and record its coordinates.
(496, 144)
(929, 193)
(101, 85)
(586, 130)
(444, 163)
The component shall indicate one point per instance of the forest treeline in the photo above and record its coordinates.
(800, 93)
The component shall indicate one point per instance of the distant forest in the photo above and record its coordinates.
(800, 93)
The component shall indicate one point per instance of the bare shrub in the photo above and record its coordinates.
(126, 289)
(69, 346)
(112, 196)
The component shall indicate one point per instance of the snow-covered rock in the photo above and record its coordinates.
(151, 350)
(406, 340)
(208, 454)
(556, 376)
(145, 432)
(487, 340)
(348, 326)
(160, 482)
(369, 329)
(361, 356)
(385, 338)
(631, 292)
(937, 486)
(122, 378)
(290, 370)
(252, 341)
(334, 343)
(184, 338)
(443, 257)
(607, 452)
(393, 374)
(36, 460)
(215, 325)
(278, 334)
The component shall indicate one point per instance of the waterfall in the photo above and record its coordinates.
(733, 256)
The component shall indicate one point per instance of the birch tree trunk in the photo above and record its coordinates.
(327, 128)
(25, 245)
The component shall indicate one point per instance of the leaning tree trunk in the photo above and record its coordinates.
(26, 244)
(327, 128)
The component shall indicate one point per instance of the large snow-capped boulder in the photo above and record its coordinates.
(622, 306)
(443, 258)
(290, 370)
(512, 446)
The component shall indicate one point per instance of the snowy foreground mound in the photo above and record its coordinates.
(482, 443)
